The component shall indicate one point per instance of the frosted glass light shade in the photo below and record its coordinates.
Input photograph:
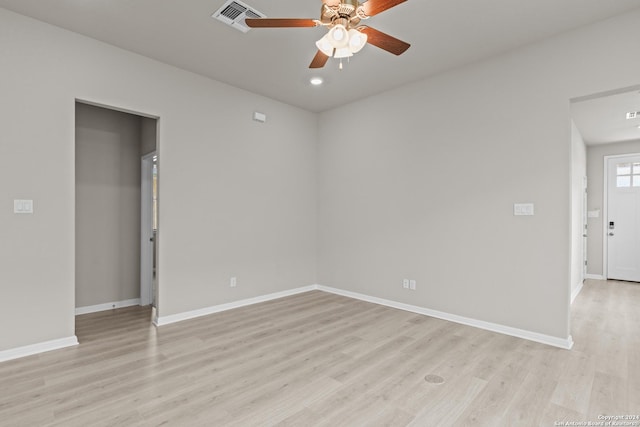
(343, 52)
(325, 46)
(357, 40)
(338, 36)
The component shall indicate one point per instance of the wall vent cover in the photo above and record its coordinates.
(234, 12)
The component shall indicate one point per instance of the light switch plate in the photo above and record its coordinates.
(523, 209)
(23, 206)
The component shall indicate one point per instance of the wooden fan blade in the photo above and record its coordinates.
(373, 7)
(319, 60)
(279, 22)
(384, 41)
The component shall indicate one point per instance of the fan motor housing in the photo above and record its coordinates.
(345, 10)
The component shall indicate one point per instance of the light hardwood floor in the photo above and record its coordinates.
(321, 359)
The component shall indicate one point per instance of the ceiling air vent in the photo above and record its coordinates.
(633, 115)
(234, 12)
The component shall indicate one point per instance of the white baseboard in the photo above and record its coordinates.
(173, 318)
(594, 276)
(576, 291)
(565, 343)
(29, 350)
(107, 306)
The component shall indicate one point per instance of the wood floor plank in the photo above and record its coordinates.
(555, 415)
(529, 401)
(608, 396)
(304, 416)
(489, 407)
(448, 401)
(573, 390)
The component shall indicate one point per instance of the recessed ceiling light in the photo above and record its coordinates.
(316, 81)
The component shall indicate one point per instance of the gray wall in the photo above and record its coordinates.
(595, 197)
(578, 174)
(426, 189)
(238, 197)
(107, 230)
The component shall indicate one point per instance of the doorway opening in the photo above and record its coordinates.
(609, 124)
(109, 183)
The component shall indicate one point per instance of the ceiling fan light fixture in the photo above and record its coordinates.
(345, 36)
(325, 46)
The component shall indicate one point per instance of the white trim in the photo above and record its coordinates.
(605, 216)
(146, 228)
(585, 225)
(594, 276)
(154, 316)
(29, 350)
(173, 318)
(576, 291)
(565, 343)
(108, 106)
(107, 306)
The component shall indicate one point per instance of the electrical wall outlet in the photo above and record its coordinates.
(233, 282)
(412, 285)
(405, 283)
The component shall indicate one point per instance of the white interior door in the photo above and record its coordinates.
(623, 218)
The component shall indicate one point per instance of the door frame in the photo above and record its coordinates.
(585, 226)
(146, 224)
(605, 212)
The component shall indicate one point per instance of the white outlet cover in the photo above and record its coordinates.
(23, 206)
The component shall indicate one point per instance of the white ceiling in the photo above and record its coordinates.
(602, 119)
(274, 62)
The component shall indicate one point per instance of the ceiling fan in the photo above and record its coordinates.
(346, 36)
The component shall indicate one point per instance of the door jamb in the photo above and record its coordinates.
(585, 226)
(146, 223)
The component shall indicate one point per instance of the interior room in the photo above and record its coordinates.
(386, 213)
